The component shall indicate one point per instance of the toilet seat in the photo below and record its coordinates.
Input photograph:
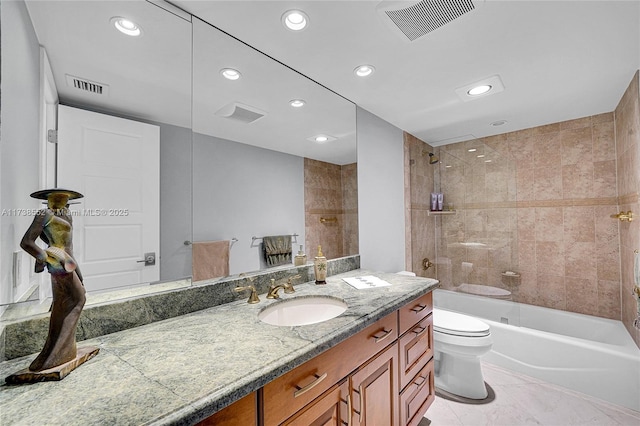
(456, 324)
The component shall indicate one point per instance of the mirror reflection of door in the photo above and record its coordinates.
(115, 163)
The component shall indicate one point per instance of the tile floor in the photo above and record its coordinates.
(523, 400)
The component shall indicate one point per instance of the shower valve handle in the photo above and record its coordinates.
(426, 263)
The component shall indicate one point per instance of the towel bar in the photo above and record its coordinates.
(259, 238)
(328, 219)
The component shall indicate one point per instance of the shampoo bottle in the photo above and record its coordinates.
(320, 267)
(434, 201)
(301, 258)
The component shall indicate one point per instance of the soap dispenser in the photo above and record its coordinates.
(320, 267)
(301, 258)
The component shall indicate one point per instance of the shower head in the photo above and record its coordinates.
(433, 159)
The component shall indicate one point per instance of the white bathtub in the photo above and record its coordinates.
(592, 355)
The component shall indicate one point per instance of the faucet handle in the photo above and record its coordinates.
(253, 297)
(288, 287)
(273, 290)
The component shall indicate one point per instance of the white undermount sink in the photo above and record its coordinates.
(302, 310)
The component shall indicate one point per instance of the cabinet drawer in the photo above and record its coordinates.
(288, 393)
(416, 349)
(417, 397)
(331, 409)
(412, 312)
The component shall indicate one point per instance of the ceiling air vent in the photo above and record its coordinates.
(240, 112)
(413, 19)
(87, 85)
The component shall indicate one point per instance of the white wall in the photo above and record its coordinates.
(175, 202)
(19, 115)
(380, 194)
(241, 191)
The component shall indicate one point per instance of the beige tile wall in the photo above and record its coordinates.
(549, 193)
(331, 192)
(420, 227)
(566, 192)
(627, 131)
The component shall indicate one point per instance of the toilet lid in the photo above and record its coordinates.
(458, 324)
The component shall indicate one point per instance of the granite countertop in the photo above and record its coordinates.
(181, 370)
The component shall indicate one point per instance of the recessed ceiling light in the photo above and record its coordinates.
(321, 138)
(479, 90)
(364, 70)
(487, 161)
(230, 73)
(480, 156)
(126, 26)
(297, 103)
(472, 150)
(499, 123)
(448, 166)
(295, 20)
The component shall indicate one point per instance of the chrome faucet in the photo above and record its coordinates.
(288, 287)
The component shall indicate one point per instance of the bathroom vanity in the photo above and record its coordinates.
(224, 366)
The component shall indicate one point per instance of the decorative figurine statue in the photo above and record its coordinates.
(54, 226)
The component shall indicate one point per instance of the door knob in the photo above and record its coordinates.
(149, 259)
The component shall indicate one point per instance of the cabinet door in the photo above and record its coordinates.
(374, 391)
(330, 409)
(242, 412)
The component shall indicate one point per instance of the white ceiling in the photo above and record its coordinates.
(143, 81)
(171, 75)
(558, 60)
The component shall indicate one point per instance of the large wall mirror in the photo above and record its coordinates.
(67, 67)
(261, 166)
(236, 161)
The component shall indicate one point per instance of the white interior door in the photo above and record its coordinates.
(48, 121)
(115, 164)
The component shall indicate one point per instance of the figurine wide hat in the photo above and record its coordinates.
(45, 193)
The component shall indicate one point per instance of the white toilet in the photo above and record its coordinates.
(459, 342)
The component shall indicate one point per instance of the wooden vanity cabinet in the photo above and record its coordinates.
(382, 375)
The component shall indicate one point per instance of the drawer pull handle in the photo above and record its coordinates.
(360, 394)
(349, 410)
(386, 334)
(302, 390)
(420, 330)
(419, 308)
(418, 384)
